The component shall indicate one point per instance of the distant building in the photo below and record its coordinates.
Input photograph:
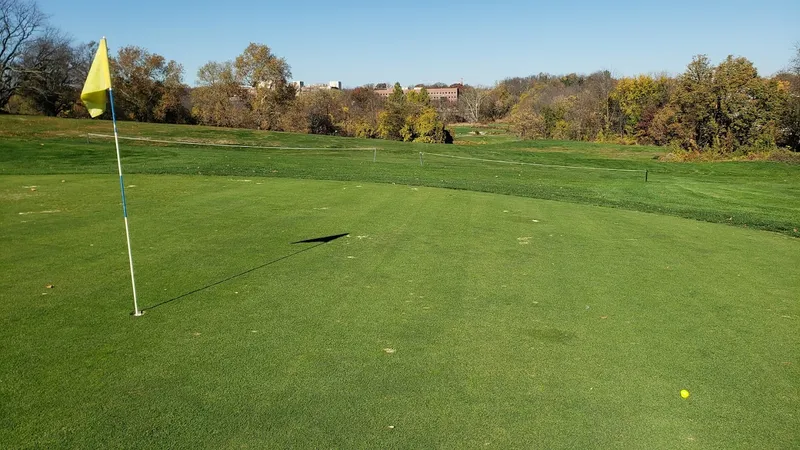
(269, 84)
(302, 87)
(449, 93)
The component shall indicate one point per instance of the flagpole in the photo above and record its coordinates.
(136, 311)
(93, 95)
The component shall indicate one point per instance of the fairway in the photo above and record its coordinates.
(445, 318)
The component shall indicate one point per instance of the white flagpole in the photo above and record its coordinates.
(136, 311)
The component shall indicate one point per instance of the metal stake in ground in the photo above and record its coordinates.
(420, 158)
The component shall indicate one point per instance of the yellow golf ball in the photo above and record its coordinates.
(684, 393)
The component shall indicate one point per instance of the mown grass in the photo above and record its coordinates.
(445, 319)
(470, 134)
(753, 194)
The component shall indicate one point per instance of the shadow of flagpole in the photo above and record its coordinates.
(319, 241)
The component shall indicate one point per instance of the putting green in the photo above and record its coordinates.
(445, 318)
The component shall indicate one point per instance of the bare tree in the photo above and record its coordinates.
(600, 84)
(471, 99)
(19, 22)
(48, 71)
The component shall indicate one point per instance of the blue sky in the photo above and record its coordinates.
(425, 42)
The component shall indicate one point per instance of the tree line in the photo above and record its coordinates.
(723, 107)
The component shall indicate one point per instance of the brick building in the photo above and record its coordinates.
(449, 93)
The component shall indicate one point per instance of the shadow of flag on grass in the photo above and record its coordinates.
(322, 240)
(318, 241)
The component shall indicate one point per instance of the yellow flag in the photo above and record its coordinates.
(98, 82)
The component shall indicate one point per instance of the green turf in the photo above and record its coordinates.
(515, 322)
(753, 194)
(577, 330)
(495, 133)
